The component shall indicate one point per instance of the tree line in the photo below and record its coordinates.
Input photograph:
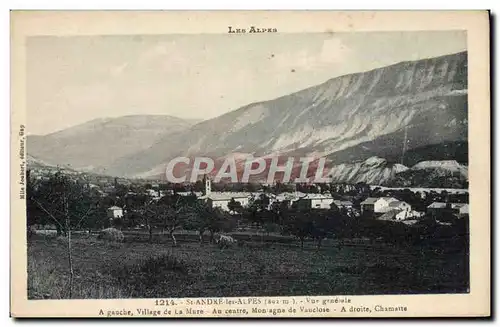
(71, 205)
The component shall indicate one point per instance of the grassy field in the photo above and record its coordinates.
(137, 269)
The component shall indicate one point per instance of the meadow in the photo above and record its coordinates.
(264, 266)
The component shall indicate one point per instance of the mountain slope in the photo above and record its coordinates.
(374, 171)
(95, 145)
(37, 163)
(348, 118)
(439, 174)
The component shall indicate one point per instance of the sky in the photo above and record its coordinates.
(71, 80)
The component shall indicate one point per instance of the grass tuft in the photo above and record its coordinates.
(111, 234)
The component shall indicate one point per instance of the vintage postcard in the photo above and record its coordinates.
(202, 164)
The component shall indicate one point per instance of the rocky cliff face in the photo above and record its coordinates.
(349, 118)
(374, 171)
(438, 174)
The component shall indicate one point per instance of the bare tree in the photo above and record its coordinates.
(203, 218)
(168, 213)
(67, 205)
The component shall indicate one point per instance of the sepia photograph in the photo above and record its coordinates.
(190, 169)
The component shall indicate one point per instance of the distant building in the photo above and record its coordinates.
(154, 193)
(400, 215)
(115, 212)
(314, 201)
(403, 215)
(400, 205)
(409, 215)
(368, 205)
(108, 189)
(286, 196)
(389, 215)
(463, 208)
(377, 205)
(280, 198)
(221, 199)
(343, 204)
(198, 194)
(437, 208)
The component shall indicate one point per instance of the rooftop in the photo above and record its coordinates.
(222, 196)
(439, 205)
(370, 201)
(315, 196)
(342, 203)
(397, 203)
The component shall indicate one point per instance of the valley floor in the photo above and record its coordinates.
(137, 269)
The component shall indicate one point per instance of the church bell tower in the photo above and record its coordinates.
(208, 185)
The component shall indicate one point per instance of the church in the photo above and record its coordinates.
(222, 199)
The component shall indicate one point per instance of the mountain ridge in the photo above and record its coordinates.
(95, 144)
(273, 127)
(348, 118)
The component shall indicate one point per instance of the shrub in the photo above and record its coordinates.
(165, 262)
(150, 277)
(111, 234)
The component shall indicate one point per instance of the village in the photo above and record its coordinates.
(390, 206)
(381, 203)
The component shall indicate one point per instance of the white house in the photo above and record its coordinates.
(115, 212)
(222, 199)
(463, 208)
(315, 201)
(377, 205)
(285, 197)
(402, 215)
(408, 214)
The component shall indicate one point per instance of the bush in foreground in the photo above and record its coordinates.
(47, 279)
(149, 277)
(111, 234)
